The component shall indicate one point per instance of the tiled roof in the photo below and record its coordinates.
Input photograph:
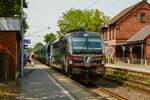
(9, 24)
(141, 35)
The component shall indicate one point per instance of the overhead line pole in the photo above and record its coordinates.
(22, 32)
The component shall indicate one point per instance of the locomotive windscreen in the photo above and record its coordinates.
(83, 34)
(87, 45)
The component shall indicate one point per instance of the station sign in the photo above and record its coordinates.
(27, 41)
(25, 46)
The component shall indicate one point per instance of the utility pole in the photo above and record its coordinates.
(22, 42)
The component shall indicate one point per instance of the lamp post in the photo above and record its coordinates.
(22, 43)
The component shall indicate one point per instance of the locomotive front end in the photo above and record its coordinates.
(87, 55)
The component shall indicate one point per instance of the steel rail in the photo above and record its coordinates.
(138, 85)
(134, 84)
(107, 91)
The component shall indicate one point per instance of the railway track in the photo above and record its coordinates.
(105, 92)
(138, 85)
(134, 84)
(100, 89)
(97, 90)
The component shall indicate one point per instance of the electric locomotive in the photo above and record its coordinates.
(79, 54)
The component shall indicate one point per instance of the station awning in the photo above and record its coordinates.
(9, 24)
(141, 35)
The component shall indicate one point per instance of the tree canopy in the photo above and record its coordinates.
(74, 19)
(11, 8)
(30, 49)
(38, 45)
(49, 37)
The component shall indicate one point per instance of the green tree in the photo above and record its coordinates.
(29, 49)
(38, 45)
(11, 8)
(49, 37)
(74, 19)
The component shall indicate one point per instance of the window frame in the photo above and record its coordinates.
(142, 17)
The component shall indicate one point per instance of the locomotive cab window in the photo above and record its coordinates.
(86, 45)
(94, 43)
(142, 17)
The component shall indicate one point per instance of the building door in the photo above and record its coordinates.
(3, 66)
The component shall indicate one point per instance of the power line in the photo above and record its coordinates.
(38, 31)
(35, 36)
(96, 1)
(37, 27)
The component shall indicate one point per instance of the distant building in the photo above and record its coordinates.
(127, 35)
(10, 43)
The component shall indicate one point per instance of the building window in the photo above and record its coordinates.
(142, 17)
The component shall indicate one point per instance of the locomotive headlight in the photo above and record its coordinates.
(70, 62)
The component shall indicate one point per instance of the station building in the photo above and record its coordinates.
(10, 43)
(127, 35)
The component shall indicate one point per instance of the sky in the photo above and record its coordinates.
(42, 15)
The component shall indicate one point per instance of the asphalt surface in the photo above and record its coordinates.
(42, 82)
(37, 84)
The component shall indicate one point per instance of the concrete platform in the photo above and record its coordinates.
(129, 72)
(130, 67)
(43, 83)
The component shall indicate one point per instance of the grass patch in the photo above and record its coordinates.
(8, 89)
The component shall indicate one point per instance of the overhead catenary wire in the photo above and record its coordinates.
(38, 31)
(44, 28)
(37, 27)
(96, 1)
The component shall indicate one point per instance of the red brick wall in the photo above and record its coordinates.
(109, 35)
(148, 49)
(19, 53)
(9, 42)
(130, 24)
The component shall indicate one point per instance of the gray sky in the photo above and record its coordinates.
(45, 13)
